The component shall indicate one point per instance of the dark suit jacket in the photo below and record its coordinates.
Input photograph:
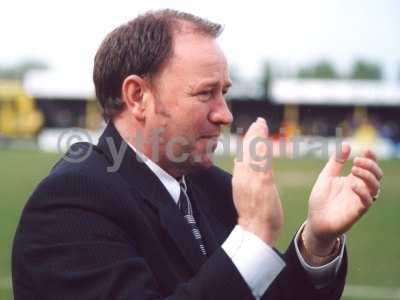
(87, 233)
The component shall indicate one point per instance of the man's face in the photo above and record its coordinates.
(188, 103)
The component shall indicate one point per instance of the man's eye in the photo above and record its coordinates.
(204, 95)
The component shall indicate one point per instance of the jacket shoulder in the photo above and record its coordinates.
(81, 179)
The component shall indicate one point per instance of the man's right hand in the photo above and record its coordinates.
(254, 192)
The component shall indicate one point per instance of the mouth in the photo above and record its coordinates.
(210, 136)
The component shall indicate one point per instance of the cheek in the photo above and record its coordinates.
(193, 124)
(189, 120)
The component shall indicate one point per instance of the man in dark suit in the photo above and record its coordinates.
(145, 214)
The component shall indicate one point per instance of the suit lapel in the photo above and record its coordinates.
(143, 180)
(179, 231)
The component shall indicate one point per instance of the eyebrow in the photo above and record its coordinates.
(213, 83)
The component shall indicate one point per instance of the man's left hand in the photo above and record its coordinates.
(337, 202)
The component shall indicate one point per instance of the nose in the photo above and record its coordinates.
(220, 113)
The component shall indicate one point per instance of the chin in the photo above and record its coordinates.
(202, 161)
(198, 159)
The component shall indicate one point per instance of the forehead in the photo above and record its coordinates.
(196, 56)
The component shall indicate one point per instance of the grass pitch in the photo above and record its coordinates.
(373, 243)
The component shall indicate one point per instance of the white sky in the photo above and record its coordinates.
(66, 34)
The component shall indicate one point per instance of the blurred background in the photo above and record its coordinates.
(320, 72)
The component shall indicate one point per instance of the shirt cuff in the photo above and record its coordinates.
(256, 261)
(323, 275)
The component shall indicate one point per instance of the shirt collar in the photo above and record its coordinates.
(169, 182)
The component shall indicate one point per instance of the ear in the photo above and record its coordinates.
(133, 90)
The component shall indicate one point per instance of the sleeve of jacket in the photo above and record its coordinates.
(293, 282)
(65, 248)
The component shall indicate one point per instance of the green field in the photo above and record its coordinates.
(373, 244)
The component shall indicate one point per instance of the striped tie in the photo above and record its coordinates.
(186, 208)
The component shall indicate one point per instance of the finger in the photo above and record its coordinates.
(251, 134)
(335, 164)
(364, 195)
(370, 165)
(370, 154)
(368, 178)
(255, 143)
(257, 128)
(262, 125)
(262, 144)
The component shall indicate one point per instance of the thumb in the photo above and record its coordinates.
(336, 162)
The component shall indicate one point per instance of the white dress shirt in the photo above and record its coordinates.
(248, 252)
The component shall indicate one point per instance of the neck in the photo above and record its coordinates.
(135, 135)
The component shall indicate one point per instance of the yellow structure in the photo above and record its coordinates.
(290, 122)
(93, 118)
(19, 117)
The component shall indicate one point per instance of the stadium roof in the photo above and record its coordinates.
(72, 85)
(59, 85)
(335, 92)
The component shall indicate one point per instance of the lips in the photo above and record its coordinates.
(210, 136)
(210, 139)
